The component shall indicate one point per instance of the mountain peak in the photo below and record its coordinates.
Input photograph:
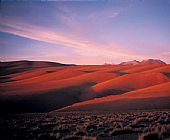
(153, 61)
(133, 62)
(148, 61)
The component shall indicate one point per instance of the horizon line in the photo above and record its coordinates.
(106, 63)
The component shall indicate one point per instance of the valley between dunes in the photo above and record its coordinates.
(37, 86)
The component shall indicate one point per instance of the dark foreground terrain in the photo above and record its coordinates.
(145, 125)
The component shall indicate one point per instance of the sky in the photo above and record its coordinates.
(85, 31)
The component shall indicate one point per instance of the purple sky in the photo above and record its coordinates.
(85, 32)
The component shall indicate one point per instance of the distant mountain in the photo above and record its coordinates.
(134, 62)
(30, 63)
(148, 61)
(152, 61)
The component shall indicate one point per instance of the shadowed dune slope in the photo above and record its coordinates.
(32, 64)
(160, 103)
(159, 93)
(20, 66)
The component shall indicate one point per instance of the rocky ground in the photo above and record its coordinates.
(146, 125)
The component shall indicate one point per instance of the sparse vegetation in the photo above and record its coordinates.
(153, 125)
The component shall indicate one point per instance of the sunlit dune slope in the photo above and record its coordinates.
(104, 67)
(38, 72)
(42, 86)
(68, 71)
(130, 82)
(161, 91)
(47, 75)
(53, 73)
(34, 73)
(162, 69)
(27, 73)
(142, 68)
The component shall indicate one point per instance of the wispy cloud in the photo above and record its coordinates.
(84, 47)
(92, 20)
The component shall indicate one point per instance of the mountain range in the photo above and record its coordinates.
(148, 61)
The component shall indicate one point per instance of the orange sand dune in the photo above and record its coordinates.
(130, 82)
(103, 67)
(34, 73)
(41, 75)
(157, 91)
(47, 75)
(44, 71)
(94, 77)
(40, 71)
(106, 81)
(165, 68)
(142, 68)
(118, 68)
(57, 85)
(44, 74)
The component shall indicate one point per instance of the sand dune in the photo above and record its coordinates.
(34, 73)
(45, 75)
(130, 82)
(142, 68)
(161, 91)
(27, 87)
(35, 81)
(31, 84)
(162, 69)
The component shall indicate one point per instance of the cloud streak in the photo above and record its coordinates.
(38, 33)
